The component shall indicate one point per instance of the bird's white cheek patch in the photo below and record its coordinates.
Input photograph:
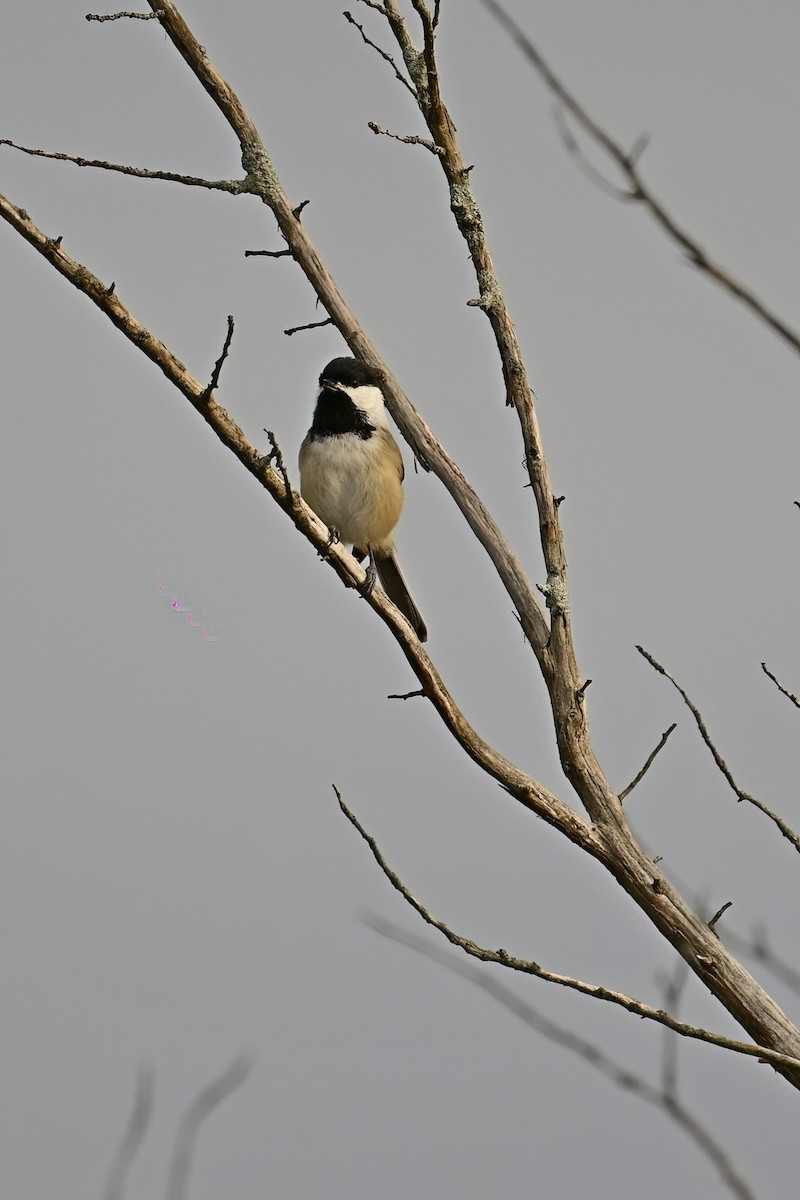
(370, 400)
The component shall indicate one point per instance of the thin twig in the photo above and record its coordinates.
(626, 161)
(348, 16)
(373, 4)
(741, 795)
(276, 456)
(236, 187)
(527, 967)
(215, 374)
(210, 1098)
(268, 254)
(311, 325)
(789, 695)
(138, 1121)
(649, 762)
(406, 695)
(132, 16)
(591, 1054)
(410, 139)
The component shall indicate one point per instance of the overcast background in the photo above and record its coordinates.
(177, 884)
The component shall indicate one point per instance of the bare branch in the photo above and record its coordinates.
(268, 254)
(264, 181)
(132, 16)
(639, 191)
(310, 325)
(406, 695)
(410, 139)
(215, 374)
(525, 789)
(236, 187)
(607, 836)
(134, 1135)
(386, 57)
(649, 762)
(210, 1098)
(556, 656)
(581, 1047)
(789, 695)
(741, 795)
(526, 967)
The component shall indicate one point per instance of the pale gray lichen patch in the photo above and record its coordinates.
(556, 595)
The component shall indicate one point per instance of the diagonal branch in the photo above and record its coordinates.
(741, 795)
(236, 187)
(523, 787)
(625, 1079)
(526, 967)
(640, 192)
(608, 837)
(557, 659)
(784, 691)
(648, 762)
(348, 16)
(265, 183)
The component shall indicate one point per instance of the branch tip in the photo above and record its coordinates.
(723, 909)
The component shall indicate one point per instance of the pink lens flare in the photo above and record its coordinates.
(194, 619)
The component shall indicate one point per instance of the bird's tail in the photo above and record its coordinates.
(394, 585)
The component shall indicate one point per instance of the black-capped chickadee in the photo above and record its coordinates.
(351, 474)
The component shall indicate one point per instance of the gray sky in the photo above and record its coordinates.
(177, 884)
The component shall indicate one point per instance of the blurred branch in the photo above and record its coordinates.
(662, 1099)
(210, 1098)
(741, 795)
(527, 967)
(757, 946)
(132, 1139)
(640, 192)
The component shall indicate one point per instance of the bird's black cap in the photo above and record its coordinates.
(352, 372)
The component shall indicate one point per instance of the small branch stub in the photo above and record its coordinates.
(719, 913)
(410, 139)
(311, 325)
(215, 374)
